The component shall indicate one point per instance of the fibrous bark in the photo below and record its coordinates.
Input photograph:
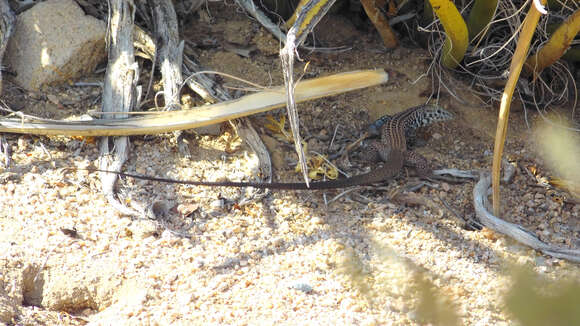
(119, 92)
(170, 58)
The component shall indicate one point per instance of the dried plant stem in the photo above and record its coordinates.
(307, 18)
(160, 122)
(529, 26)
(381, 23)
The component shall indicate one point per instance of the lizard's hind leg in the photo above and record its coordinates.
(418, 162)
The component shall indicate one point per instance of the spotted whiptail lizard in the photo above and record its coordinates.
(392, 149)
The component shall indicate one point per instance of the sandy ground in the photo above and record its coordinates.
(366, 258)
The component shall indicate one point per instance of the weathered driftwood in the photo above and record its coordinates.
(169, 51)
(119, 93)
(170, 58)
(514, 231)
(6, 25)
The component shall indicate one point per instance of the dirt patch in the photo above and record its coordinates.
(67, 257)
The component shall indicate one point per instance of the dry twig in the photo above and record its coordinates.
(512, 230)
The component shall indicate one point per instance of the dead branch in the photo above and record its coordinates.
(170, 58)
(514, 231)
(169, 51)
(251, 8)
(119, 93)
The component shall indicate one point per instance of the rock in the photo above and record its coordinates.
(217, 204)
(86, 286)
(304, 287)
(54, 42)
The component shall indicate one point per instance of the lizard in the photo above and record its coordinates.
(399, 129)
(392, 149)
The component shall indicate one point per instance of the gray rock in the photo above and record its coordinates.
(304, 287)
(54, 42)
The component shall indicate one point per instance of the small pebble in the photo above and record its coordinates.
(540, 261)
(302, 287)
(317, 220)
(553, 262)
(216, 204)
(22, 143)
(543, 269)
(530, 203)
(167, 235)
(199, 263)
